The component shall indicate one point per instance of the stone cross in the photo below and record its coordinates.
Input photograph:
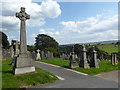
(23, 63)
(38, 55)
(23, 16)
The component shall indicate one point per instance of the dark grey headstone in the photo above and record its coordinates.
(74, 62)
(83, 58)
(94, 60)
(51, 55)
(43, 55)
(114, 60)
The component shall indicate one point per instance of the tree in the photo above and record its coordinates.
(30, 48)
(99, 52)
(77, 48)
(44, 41)
(5, 42)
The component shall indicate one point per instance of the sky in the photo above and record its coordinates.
(66, 22)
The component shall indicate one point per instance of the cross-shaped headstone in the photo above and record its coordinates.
(23, 16)
(38, 50)
(23, 62)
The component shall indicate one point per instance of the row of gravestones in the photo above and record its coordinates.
(14, 50)
(114, 60)
(44, 55)
(85, 61)
(81, 59)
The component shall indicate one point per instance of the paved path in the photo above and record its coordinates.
(113, 75)
(73, 79)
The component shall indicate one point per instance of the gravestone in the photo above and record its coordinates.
(43, 55)
(51, 55)
(33, 55)
(94, 61)
(15, 45)
(38, 55)
(63, 56)
(101, 57)
(48, 55)
(83, 58)
(74, 63)
(67, 57)
(12, 52)
(16, 48)
(23, 63)
(114, 60)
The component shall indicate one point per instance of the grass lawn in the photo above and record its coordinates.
(108, 48)
(57, 61)
(105, 66)
(19, 81)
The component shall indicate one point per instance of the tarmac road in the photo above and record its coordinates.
(72, 79)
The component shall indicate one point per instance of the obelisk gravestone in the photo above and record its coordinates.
(83, 60)
(23, 62)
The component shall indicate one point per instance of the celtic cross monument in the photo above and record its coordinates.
(23, 61)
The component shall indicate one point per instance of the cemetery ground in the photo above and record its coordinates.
(19, 81)
(104, 66)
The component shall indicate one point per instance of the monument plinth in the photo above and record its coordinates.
(23, 61)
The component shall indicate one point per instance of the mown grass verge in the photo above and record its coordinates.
(20, 81)
(104, 66)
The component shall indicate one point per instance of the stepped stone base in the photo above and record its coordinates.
(23, 70)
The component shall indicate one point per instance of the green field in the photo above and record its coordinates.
(19, 81)
(105, 66)
(110, 48)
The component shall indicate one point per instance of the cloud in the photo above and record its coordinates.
(90, 29)
(50, 6)
(38, 13)
(49, 31)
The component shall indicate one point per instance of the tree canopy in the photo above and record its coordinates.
(5, 42)
(44, 41)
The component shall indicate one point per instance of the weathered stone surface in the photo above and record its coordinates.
(38, 55)
(15, 46)
(51, 55)
(43, 55)
(48, 55)
(23, 61)
(94, 60)
(63, 56)
(12, 52)
(24, 69)
(6, 53)
(83, 58)
(33, 55)
(114, 60)
(74, 62)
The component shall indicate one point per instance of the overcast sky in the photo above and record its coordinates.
(66, 22)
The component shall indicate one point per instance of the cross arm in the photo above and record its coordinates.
(17, 14)
(27, 16)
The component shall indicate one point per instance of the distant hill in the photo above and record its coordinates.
(100, 42)
(103, 42)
